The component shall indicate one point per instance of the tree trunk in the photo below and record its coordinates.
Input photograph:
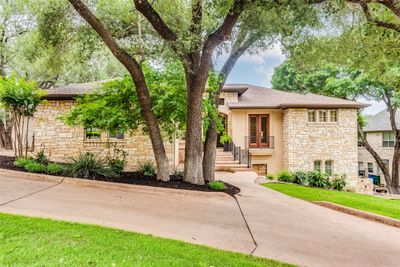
(142, 90)
(194, 146)
(6, 136)
(210, 152)
(154, 129)
(210, 146)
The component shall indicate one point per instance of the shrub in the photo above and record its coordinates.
(285, 176)
(301, 177)
(54, 168)
(318, 179)
(22, 162)
(177, 172)
(270, 177)
(147, 167)
(217, 185)
(90, 166)
(41, 157)
(35, 167)
(338, 183)
(117, 160)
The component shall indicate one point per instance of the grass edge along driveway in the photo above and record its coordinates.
(26, 241)
(377, 205)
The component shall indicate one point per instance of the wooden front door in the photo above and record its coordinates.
(258, 131)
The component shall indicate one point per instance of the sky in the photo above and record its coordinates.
(257, 69)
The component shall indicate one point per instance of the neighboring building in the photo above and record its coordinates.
(271, 130)
(380, 136)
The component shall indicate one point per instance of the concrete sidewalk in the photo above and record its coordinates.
(297, 231)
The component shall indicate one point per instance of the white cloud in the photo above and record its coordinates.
(262, 56)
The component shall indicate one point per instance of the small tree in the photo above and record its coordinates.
(20, 98)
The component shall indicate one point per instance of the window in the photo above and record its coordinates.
(387, 139)
(311, 115)
(333, 115)
(221, 101)
(329, 167)
(116, 135)
(322, 117)
(361, 171)
(370, 167)
(317, 165)
(92, 133)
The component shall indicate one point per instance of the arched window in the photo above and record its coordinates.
(317, 165)
(329, 167)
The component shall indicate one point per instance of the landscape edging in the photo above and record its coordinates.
(359, 213)
(109, 185)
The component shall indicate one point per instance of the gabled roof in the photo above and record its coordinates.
(260, 97)
(381, 122)
(250, 96)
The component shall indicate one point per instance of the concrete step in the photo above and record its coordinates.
(224, 157)
(222, 162)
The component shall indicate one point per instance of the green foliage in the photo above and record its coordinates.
(90, 166)
(20, 96)
(117, 160)
(41, 157)
(114, 106)
(35, 167)
(318, 179)
(22, 162)
(217, 185)
(147, 167)
(338, 182)
(285, 176)
(301, 177)
(54, 168)
(270, 176)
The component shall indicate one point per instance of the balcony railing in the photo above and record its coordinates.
(260, 142)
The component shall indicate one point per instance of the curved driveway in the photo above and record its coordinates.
(297, 231)
(284, 228)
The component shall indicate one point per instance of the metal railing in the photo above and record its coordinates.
(260, 142)
(240, 154)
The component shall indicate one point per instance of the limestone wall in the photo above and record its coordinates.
(304, 142)
(386, 153)
(62, 142)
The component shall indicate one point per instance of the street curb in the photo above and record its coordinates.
(109, 185)
(361, 214)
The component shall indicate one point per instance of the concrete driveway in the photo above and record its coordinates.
(297, 231)
(284, 228)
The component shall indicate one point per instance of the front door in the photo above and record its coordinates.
(259, 131)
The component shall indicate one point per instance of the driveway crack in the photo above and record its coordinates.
(31, 194)
(247, 225)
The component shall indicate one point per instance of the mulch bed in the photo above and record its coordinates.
(137, 178)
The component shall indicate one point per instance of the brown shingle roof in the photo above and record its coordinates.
(260, 97)
(250, 96)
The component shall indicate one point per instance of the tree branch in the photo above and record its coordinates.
(144, 7)
(379, 23)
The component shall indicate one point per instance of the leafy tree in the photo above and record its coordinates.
(20, 98)
(115, 106)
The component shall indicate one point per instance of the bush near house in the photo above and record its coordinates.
(147, 167)
(35, 167)
(89, 166)
(22, 162)
(313, 179)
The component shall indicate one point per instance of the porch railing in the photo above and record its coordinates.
(261, 142)
(240, 154)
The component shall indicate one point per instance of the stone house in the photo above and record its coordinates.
(380, 136)
(271, 130)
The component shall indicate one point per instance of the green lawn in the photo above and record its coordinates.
(387, 207)
(28, 241)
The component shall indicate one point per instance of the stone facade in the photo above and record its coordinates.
(61, 141)
(229, 97)
(305, 142)
(386, 153)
